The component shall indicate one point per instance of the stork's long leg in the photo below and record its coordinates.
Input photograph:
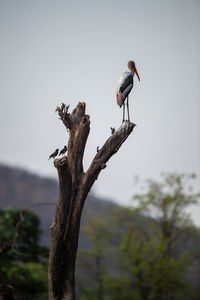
(128, 109)
(123, 112)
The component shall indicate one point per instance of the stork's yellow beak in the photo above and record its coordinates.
(136, 72)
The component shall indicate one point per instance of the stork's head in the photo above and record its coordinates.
(132, 68)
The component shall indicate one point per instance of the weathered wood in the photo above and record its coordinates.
(74, 186)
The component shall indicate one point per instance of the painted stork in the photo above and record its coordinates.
(124, 86)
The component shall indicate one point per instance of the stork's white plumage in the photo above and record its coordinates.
(125, 85)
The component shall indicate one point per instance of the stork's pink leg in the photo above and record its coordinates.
(128, 109)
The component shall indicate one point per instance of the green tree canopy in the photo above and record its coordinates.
(153, 245)
(23, 262)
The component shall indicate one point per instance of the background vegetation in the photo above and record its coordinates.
(148, 251)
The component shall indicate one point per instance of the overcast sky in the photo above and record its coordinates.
(71, 51)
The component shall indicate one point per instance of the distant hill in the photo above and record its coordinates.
(22, 189)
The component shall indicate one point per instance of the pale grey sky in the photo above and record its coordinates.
(70, 51)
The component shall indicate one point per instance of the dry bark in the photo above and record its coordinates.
(74, 185)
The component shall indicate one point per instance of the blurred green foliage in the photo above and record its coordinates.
(149, 251)
(23, 262)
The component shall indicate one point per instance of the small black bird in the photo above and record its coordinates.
(63, 150)
(112, 130)
(54, 154)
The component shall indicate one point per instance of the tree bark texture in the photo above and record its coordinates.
(74, 185)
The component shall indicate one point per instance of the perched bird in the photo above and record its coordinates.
(54, 154)
(63, 150)
(124, 86)
(112, 130)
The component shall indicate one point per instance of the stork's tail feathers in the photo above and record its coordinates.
(120, 99)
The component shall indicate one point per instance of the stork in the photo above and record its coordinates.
(124, 86)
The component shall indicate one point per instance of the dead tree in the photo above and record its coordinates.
(74, 186)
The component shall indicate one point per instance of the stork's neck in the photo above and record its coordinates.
(132, 70)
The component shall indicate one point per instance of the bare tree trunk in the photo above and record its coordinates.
(74, 185)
